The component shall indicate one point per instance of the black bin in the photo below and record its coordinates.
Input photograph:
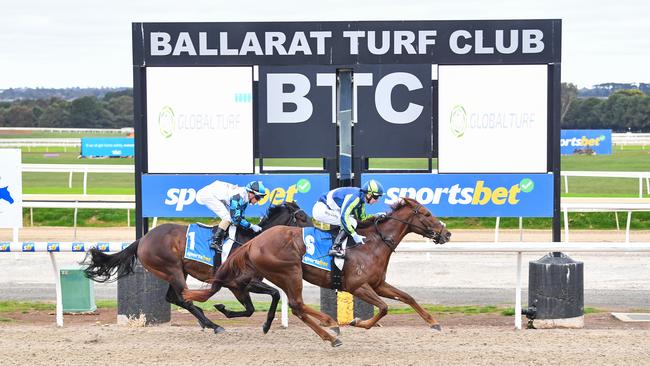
(555, 292)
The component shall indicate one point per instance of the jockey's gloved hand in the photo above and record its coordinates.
(358, 238)
(256, 228)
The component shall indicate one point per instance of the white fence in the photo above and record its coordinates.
(602, 174)
(631, 139)
(470, 247)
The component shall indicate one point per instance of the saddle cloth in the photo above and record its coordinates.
(197, 244)
(317, 243)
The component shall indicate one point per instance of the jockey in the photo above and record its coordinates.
(228, 202)
(339, 207)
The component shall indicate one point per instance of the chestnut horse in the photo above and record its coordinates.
(277, 256)
(161, 252)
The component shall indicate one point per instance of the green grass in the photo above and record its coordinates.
(9, 306)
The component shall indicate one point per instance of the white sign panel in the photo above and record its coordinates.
(11, 189)
(200, 119)
(492, 119)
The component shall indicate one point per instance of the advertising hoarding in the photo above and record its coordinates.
(586, 142)
(175, 195)
(107, 147)
(11, 189)
(492, 119)
(470, 195)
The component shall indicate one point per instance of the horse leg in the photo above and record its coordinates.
(176, 286)
(388, 291)
(259, 287)
(293, 288)
(243, 296)
(325, 320)
(367, 294)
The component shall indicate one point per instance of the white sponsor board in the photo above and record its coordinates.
(11, 189)
(200, 119)
(492, 119)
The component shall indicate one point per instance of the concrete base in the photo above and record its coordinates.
(569, 323)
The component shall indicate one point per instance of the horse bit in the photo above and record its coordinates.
(429, 233)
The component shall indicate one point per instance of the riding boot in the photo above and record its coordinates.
(218, 234)
(337, 249)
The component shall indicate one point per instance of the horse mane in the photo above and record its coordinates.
(394, 207)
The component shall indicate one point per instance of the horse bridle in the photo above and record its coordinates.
(429, 232)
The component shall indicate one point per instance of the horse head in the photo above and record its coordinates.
(420, 220)
(5, 195)
(287, 213)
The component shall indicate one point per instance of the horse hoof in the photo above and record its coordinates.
(219, 307)
(219, 329)
(354, 322)
(337, 342)
(266, 327)
(436, 327)
(336, 330)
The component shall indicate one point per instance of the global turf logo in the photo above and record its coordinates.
(582, 141)
(166, 121)
(480, 194)
(458, 121)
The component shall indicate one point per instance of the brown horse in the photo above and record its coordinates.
(161, 252)
(277, 256)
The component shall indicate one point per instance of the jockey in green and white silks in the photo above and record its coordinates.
(229, 202)
(342, 207)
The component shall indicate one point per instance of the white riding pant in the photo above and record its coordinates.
(324, 214)
(215, 205)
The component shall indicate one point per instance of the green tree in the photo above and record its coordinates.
(568, 93)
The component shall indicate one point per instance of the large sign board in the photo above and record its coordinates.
(470, 195)
(493, 119)
(175, 195)
(11, 189)
(348, 43)
(586, 142)
(200, 119)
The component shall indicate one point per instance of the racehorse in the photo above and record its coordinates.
(5, 195)
(161, 252)
(277, 256)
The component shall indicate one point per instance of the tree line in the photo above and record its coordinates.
(622, 110)
(112, 110)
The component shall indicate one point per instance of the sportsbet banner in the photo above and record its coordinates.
(470, 195)
(175, 195)
(588, 142)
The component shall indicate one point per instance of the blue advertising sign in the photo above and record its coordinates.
(470, 195)
(587, 142)
(107, 146)
(175, 195)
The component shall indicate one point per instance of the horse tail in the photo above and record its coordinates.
(103, 267)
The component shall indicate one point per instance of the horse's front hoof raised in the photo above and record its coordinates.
(336, 330)
(436, 327)
(220, 307)
(337, 342)
(354, 322)
(219, 329)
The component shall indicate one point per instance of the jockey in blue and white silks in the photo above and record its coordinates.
(342, 207)
(229, 202)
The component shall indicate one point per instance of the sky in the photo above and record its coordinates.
(87, 43)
